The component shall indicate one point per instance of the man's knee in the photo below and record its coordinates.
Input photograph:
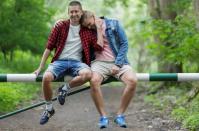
(131, 83)
(85, 74)
(95, 84)
(95, 80)
(48, 77)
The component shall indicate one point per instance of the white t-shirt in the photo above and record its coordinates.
(73, 46)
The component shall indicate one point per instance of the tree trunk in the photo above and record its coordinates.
(166, 12)
(161, 9)
(154, 9)
(4, 54)
(196, 9)
(11, 55)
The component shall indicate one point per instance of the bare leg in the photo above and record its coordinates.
(46, 84)
(83, 77)
(130, 81)
(96, 93)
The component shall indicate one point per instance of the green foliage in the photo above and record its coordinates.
(9, 98)
(180, 5)
(154, 100)
(180, 114)
(194, 105)
(176, 99)
(112, 3)
(192, 122)
(24, 62)
(18, 95)
(12, 95)
(177, 41)
(24, 25)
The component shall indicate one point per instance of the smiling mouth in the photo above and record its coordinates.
(75, 17)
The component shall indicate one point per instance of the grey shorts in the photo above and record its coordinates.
(104, 69)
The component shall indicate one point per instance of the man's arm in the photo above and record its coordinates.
(51, 44)
(94, 41)
(98, 39)
(99, 36)
(123, 45)
(43, 61)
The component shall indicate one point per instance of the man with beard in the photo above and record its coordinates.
(111, 61)
(72, 45)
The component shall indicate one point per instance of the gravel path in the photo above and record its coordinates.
(79, 114)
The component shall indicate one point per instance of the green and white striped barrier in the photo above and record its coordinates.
(140, 76)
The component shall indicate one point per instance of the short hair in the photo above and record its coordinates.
(86, 14)
(75, 3)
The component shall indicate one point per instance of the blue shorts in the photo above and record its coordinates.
(60, 68)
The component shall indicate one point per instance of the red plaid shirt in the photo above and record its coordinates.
(59, 35)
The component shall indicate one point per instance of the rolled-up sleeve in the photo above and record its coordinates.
(52, 39)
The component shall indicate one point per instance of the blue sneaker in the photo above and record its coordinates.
(62, 94)
(103, 122)
(46, 115)
(120, 120)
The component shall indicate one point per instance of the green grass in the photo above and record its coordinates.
(175, 98)
(16, 95)
(192, 122)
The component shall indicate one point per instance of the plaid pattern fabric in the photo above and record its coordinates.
(59, 35)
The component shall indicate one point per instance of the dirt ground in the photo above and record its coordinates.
(79, 114)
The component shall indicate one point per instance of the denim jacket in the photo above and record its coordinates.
(117, 40)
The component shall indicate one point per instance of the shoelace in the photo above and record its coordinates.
(45, 113)
(63, 93)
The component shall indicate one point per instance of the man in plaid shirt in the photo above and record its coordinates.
(72, 44)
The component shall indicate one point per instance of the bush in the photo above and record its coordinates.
(192, 122)
(14, 95)
(9, 99)
(180, 114)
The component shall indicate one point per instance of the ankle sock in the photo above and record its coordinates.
(66, 87)
(49, 105)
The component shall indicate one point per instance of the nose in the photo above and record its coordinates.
(74, 13)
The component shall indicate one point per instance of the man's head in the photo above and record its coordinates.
(75, 11)
(88, 20)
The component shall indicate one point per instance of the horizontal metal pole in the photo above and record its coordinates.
(140, 77)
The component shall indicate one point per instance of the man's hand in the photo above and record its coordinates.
(43, 61)
(37, 71)
(98, 23)
(115, 69)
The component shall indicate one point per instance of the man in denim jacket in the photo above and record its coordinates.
(112, 61)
